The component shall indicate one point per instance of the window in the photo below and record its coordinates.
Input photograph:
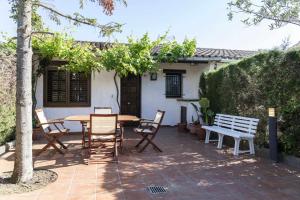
(174, 83)
(66, 89)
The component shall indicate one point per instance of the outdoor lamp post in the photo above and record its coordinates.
(273, 134)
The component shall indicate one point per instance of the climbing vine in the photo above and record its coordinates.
(137, 56)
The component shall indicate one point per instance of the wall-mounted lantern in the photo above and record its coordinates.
(273, 142)
(153, 76)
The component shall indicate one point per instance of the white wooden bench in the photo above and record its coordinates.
(240, 128)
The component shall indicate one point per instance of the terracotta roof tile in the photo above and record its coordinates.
(200, 52)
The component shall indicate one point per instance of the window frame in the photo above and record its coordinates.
(55, 66)
(178, 73)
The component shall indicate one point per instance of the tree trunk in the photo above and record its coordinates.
(23, 168)
(117, 89)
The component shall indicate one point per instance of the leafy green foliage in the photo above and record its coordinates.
(278, 12)
(8, 45)
(252, 85)
(204, 103)
(7, 92)
(207, 113)
(76, 18)
(171, 51)
(7, 123)
(135, 57)
(81, 57)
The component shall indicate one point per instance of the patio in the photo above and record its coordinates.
(187, 167)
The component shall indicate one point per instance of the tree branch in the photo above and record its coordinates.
(269, 17)
(107, 28)
(42, 32)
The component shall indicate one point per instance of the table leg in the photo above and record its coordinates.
(122, 135)
(83, 124)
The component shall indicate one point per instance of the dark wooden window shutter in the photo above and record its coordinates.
(78, 87)
(56, 86)
(66, 89)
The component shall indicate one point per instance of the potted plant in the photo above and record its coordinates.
(195, 125)
(36, 132)
(205, 116)
(182, 127)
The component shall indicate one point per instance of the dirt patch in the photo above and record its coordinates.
(40, 179)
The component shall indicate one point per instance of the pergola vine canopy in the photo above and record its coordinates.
(135, 57)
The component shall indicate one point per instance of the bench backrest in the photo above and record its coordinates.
(237, 123)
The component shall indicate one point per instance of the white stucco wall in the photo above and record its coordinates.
(103, 93)
(153, 93)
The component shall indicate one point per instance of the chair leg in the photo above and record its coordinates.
(61, 144)
(207, 135)
(83, 134)
(116, 148)
(251, 146)
(140, 142)
(43, 149)
(122, 138)
(236, 146)
(56, 148)
(220, 141)
(154, 145)
(149, 141)
(90, 144)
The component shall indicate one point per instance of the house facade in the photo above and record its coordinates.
(62, 93)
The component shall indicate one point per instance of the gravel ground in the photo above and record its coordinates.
(40, 179)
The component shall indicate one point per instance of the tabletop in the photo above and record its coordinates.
(86, 118)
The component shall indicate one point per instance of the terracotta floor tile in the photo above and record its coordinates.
(188, 168)
(137, 194)
(110, 196)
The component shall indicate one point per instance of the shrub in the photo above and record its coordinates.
(7, 123)
(249, 87)
(7, 95)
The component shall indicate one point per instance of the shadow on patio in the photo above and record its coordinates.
(189, 169)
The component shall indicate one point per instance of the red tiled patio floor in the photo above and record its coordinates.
(188, 168)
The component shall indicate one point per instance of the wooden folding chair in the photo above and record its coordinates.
(102, 110)
(148, 130)
(108, 110)
(86, 125)
(103, 127)
(52, 136)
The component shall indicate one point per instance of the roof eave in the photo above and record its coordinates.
(206, 59)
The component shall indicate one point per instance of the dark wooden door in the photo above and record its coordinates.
(131, 95)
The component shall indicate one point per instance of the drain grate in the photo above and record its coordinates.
(154, 189)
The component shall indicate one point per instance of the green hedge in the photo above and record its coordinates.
(249, 87)
(7, 94)
(7, 123)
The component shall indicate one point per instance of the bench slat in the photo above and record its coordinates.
(237, 123)
(239, 118)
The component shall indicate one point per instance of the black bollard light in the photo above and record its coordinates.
(273, 142)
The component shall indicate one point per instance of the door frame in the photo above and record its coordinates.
(139, 98)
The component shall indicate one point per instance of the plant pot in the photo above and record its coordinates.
(193, 129)
(182, 127)
(37, 133)
(200, 132)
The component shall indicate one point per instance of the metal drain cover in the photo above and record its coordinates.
(154, 189)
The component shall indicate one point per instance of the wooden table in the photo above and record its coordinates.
(84, 119)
